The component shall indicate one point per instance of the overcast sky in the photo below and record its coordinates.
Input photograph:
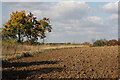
(72, 21)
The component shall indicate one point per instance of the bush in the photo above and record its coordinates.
(118, 42)
(9, 43)
(100, 42)
(86, 43)
(113, 42)
(104, 42)
(26, 55)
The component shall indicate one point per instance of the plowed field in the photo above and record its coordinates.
(89, 62)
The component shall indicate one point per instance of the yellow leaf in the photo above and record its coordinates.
(44, 18)
(7, 29)
(20, 24)
(8, 26)
(29, 20)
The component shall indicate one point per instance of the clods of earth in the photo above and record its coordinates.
(89, 62)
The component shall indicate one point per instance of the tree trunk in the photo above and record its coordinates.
(19, 37)
(43, 40)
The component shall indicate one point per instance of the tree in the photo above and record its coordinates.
(118, 42)
(86, 43)
(14, 27)
(46, 27)
(105, 42)
(30, 28)
(113, 42)
(22, 26)
(97, 43)
(100, 42)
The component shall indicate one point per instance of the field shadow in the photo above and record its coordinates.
(6, 64)
(23, 74)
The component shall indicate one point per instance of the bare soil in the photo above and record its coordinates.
(89, 62)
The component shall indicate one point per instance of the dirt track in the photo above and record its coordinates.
(89, 62)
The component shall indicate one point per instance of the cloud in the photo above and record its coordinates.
(64, 10)
(112, 19)
(73, 20)
(111, 7)
(71, 10)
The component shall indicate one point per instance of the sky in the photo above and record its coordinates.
(57, 0)
(72, 21)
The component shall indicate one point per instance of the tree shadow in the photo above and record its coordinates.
(23, 74)
(6, 64)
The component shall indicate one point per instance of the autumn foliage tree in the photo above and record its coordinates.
(21, 26)
(46, 27)
(113, 42)
(104, 42)
(118, 42)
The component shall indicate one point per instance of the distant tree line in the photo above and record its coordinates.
(22, 27)
(104, 42)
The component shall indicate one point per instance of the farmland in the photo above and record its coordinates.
(82, 62)
(16, 51)
(59, 40)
